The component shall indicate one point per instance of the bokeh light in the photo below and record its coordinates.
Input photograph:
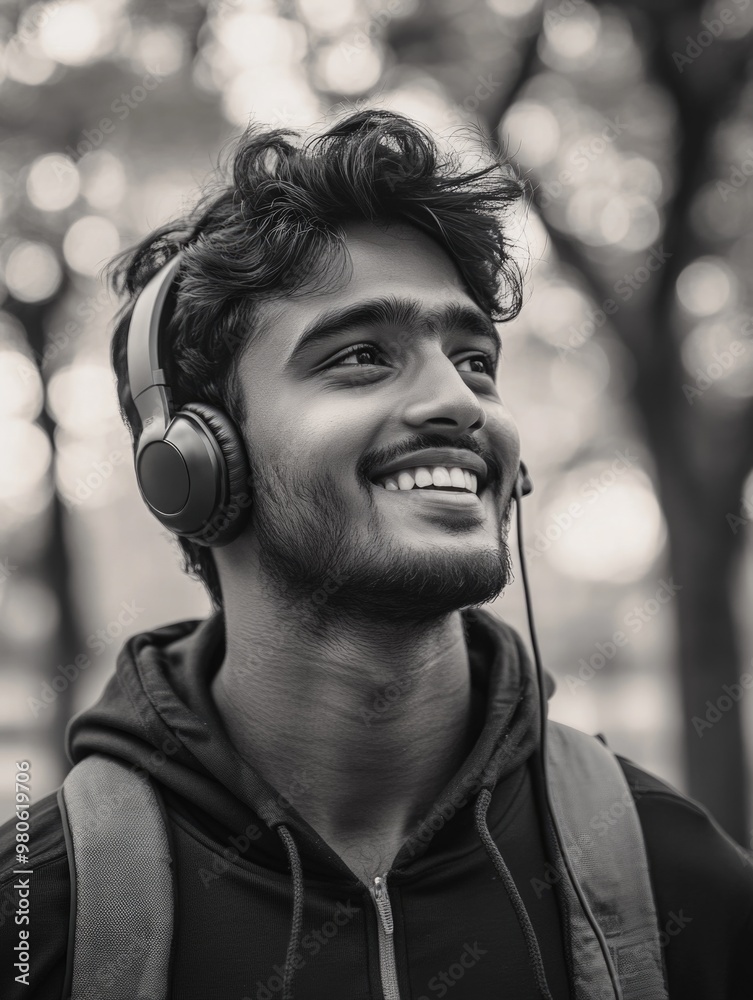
(21, 392)
(595, 216)
(638, 175)
(705, 287)
(717, 354)
(26, 455)
(347, 68)
(103, 179)
(75, 35)
(260, 40)
(81, 398)
(26, 64)
(90, 243)
(86, 468)
(635, 225)
(53, 182)
(288, 103)
(32, 271)
(159, 198)
(327, 17)
(531, 132)
(158, 49)
(619, 532)
(570, 40)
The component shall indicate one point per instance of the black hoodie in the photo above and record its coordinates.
(257, 887)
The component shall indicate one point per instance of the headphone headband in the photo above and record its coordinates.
(144, 369)
(191, 467)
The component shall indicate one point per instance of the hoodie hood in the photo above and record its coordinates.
(157, 714)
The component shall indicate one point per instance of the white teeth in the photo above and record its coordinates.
(439, 475)
(423, 476)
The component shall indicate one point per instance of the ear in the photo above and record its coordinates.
(524, 484)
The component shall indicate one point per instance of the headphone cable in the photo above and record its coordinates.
(543, 751)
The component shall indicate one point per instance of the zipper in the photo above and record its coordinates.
(386, 941)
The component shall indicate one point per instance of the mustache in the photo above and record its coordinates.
(379, 457)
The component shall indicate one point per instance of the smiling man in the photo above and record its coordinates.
(383, 459)
(332, 788)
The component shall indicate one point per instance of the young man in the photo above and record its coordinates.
(346, 750)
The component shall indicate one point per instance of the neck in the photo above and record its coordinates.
(359, 724)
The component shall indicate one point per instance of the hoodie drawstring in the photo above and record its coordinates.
(297, 921)
(482, 804)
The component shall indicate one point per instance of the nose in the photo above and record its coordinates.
(440, 400)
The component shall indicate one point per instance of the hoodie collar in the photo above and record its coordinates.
(158, 714)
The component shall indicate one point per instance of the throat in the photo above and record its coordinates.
(318, 722)
(368, 857)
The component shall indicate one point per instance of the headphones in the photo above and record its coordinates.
(191, 466)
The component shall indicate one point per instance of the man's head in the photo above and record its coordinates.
(336, 300)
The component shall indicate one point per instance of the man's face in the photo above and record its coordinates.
(349, 392)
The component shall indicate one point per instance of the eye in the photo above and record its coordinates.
(479, 364)
(359, 354)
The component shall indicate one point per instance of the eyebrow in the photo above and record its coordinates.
(393, 311)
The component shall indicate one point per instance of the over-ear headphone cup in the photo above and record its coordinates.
(227, 522)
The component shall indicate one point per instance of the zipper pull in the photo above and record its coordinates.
(383, 902)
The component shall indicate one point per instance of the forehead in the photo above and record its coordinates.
(399, 260)
(400, 256)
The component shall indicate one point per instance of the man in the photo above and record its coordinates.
(346, 749)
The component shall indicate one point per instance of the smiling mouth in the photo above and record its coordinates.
(448, 479)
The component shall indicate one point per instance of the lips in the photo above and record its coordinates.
(450, 469)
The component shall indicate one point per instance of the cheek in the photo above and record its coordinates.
(314, 436)
(505, 446)
(504, 440)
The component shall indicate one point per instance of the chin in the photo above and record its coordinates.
(385, 568)
(413, 586)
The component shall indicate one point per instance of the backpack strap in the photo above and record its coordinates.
(604, 840)
(121, 927)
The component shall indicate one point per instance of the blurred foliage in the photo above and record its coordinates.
(629, 369)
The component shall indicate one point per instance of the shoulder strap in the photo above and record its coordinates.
(121, 928)
(603, 837)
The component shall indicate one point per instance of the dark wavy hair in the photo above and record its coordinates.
(274, 229)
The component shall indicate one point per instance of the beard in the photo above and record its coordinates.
(317, 565)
